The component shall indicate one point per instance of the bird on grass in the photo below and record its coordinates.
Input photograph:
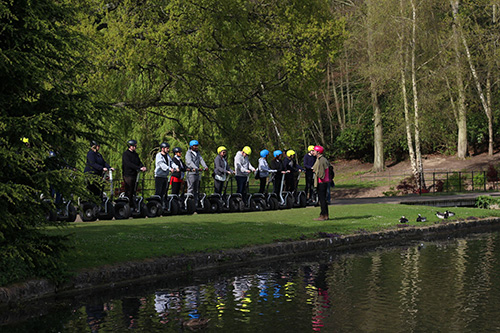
(442, 215)
(403, 219)
(421, 218)
(450, 214)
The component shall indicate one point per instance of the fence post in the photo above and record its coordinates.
(459, 182)
(434, 181)
(447, 182)
(484, 182)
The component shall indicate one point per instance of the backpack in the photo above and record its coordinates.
(331, 173)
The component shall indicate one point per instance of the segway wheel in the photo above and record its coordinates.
(274, 203)
(144, 210)
(256, 205)
(207, 207)
(88, 212)
(214, 205)
(71, 213)
(289, 202)
(109, 213)
(175, 207)
(263, 204)
(154, 209)
(122, 210)
(302, 200)
(190, 206)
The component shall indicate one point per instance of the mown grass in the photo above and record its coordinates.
(110, 242)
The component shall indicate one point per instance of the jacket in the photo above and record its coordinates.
(95, 163)
(193, 160)
(242, 164)
(163, 164)
(180, 165)
(309, 161)
(320, 167)
(221, 167)
(264, 168)
(131, 163)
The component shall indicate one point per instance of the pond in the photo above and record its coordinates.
(451, 285)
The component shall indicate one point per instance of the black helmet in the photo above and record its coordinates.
(165, 145)
(132, 143)
(94, 143)
(177, 150)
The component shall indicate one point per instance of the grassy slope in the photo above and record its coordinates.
(110, 242)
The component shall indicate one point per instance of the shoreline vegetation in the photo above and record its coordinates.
(112, 253)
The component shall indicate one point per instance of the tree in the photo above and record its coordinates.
(43, 110)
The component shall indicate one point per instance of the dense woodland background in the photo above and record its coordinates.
(367, 79)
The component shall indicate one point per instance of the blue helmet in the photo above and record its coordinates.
(193, 143)
(277, 153)
(264, 153)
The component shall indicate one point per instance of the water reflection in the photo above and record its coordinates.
(438, 286)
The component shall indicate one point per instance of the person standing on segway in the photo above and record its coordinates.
(293, 169)
(242, 168)
(96, 165)
(309, 160)
(321, 181)
(177, 178)
(131, 165)
(221, 169)
(264, 170)
(277, 164)
(163, 166)
(193, 162)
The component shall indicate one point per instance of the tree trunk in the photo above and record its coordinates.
(378, 144)
(462, 114)
(418, 153)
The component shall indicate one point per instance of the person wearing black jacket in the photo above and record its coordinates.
(277, 164)
(96, 165)
(177, 176)
(131, 165)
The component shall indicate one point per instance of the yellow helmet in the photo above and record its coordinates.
(290, 153)
(25, 140)
(311, 147)
(221, 148)
(247, 150)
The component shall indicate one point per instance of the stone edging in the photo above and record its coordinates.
(116, 275)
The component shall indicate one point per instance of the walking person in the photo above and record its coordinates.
(193, 162)
(321, 181)
(177, 177)
(309, 160)
(242, 168)
(263, 170)
(131, 165)
(96, 165)
(163, 166)
(221, 169)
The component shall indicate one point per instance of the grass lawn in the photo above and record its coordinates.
(110, 242)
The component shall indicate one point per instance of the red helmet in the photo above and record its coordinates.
(319, 149)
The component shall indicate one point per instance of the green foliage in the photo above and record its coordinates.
(354, 142)
(486, 201)
(455, 182)
(43, 110)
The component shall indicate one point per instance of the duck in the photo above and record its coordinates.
(403, 219)
(421, 218)
(449, 213)
(442, 215)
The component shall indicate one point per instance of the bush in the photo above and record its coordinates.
(491, 174)
(408, 185)
(486, 201)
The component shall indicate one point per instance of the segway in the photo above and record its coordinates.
(300, 197)
(256, 201)
(271, 197)
(89, 211)
(141, 209)
(285, 198)
(66, 211)
(168, 205)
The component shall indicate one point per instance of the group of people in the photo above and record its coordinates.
(283, 170)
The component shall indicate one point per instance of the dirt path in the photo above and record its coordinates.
(345, 171)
